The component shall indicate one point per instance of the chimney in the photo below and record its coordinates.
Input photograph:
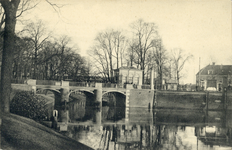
(213, 63)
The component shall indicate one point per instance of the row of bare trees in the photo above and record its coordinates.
(35, 53)
(109, 46)
(39, 55)
(142, 48)
(13, 47)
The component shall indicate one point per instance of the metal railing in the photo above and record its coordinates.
(146, 86)
(46, 82)
(79, 84)
(109, 85)
(82, 84)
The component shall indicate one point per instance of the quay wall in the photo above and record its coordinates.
(174, 99)
(193, 100)
(140, 97)
(140, 105)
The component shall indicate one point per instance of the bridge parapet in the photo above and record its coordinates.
(33, 82)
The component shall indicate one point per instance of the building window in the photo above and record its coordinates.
(210, 71)
(135, 81)
(172, 86)
(130, 80)
(123, 79)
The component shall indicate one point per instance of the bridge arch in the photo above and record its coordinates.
(114, 104)
(114, 91)
(80, 90)
(82, 104)
(55, 91)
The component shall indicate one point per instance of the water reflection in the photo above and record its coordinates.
(162, 129)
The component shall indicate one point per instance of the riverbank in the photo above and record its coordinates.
(22, 133)
(193, 100)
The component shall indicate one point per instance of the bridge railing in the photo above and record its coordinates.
(110, 85)
(82, 84)
(47, 82)
(146, 86)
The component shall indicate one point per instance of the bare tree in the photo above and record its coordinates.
(109, 45)
(144, 33)
(8, 19)
(131, 53)
(160, 56)
(179, 59)
(10, 9)
(120, 44)
(64, 58)
(23, 6)
(36, 31)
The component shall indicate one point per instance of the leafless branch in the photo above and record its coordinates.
(56, 7)
(25, 5)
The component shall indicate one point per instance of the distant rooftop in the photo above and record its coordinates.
(217, 69)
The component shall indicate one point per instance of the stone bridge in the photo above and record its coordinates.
(63, 89)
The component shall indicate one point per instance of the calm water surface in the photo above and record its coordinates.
(160, 129)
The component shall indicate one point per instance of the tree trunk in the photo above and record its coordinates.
(10, 8)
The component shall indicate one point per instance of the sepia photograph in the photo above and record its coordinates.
(115, 75)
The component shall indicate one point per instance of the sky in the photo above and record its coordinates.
(199, 27)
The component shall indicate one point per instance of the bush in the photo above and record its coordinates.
(28, 105)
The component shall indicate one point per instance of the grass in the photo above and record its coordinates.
(20, 133)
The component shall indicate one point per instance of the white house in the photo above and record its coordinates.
(129, 75)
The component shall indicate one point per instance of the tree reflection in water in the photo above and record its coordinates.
(180, 132)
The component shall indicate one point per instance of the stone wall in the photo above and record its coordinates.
(192, 100)
(174, 100)
(140, 104)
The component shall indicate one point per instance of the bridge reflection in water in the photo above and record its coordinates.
(162, 129)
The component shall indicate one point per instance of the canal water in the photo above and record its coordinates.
(159, 129)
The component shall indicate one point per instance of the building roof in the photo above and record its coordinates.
(217, 70)
(128, 68)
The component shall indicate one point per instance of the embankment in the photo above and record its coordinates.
(140, 105)
(193, 100)
(22, 133)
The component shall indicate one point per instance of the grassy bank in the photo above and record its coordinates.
(22, 133)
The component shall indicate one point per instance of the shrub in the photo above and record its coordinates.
(28, 105)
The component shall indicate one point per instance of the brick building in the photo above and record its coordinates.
(214, 76)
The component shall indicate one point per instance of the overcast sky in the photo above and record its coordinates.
(200, 27)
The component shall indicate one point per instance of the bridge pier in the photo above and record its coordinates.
(98, 104)
(64, 99)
